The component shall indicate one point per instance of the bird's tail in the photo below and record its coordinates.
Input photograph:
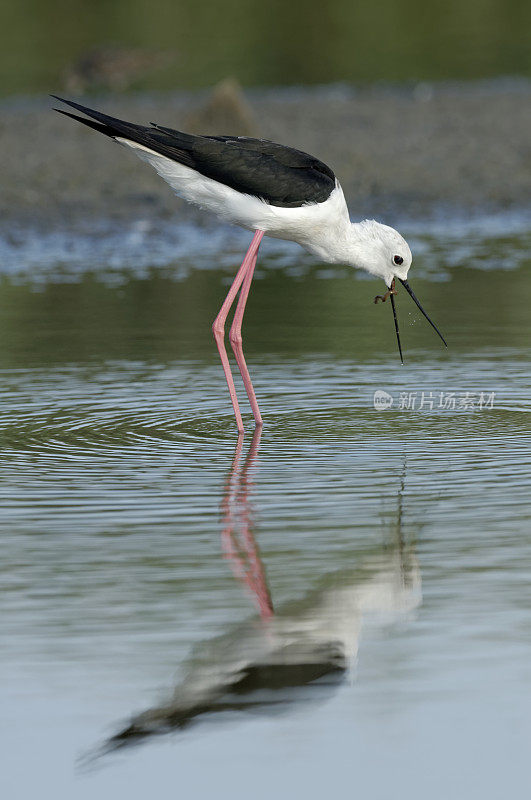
(165, 141)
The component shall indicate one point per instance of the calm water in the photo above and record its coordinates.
(144, 551)
(265, 44)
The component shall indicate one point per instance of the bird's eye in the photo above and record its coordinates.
(398, 260)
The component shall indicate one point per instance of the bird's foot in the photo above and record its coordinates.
(388, 293)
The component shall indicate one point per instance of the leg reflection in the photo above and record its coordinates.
(237, 537)
(305, 648)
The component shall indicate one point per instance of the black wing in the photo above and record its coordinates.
(282, 176)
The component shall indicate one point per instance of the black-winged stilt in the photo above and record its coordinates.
(272, 190)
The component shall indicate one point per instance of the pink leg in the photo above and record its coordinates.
(218, 327)
(235, 337)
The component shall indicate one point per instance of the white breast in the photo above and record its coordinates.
(316, 226)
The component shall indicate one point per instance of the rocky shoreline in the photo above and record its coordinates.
(406, 150)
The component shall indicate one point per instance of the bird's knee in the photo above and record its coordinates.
(235, 338)
(218, 329)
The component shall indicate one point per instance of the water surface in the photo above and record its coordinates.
(122, 489)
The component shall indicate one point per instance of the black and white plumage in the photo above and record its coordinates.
(281, 176)
(261, 185)
(269, 189)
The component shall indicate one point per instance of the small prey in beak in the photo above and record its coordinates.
(389, 293)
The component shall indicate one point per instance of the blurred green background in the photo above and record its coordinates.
(195, 44)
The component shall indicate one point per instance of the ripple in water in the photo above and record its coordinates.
(114, 481)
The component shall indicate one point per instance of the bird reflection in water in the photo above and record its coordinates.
(303, 650)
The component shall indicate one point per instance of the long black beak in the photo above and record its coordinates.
(413, 296)
(396, 327)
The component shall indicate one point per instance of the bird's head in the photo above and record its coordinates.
(383, 252)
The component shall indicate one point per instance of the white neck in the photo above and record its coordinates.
(344, 242)
(355, 244)
(325, 230)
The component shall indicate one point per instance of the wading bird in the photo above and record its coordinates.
(272, 190)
